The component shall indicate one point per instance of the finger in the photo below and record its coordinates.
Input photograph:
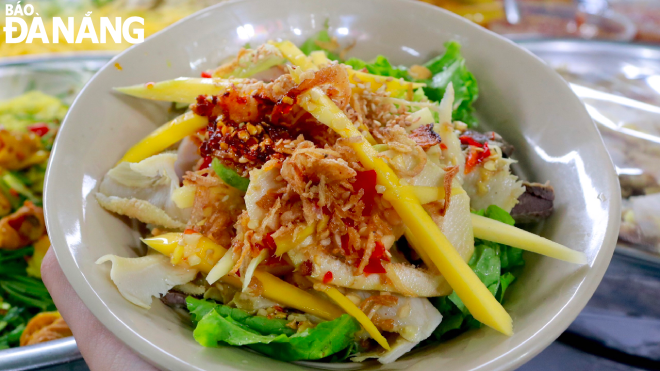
(98, 346)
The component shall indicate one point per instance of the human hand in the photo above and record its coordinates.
(98, 346)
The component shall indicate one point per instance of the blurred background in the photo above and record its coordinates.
(607, 50)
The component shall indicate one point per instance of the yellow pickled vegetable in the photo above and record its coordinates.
(181, 90)
(347, 305)
(287, 242)
(165, 136)
(273, 287)
(493, 230)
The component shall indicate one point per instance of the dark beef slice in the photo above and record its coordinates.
(535, 204)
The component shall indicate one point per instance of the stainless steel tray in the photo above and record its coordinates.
(633, 72)
(39, 356)
(62, 76)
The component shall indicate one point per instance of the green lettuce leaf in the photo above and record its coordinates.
(311, 45)
(445, 68)
(495, 265)
(219, 324)
(380, 66)
(265, 326)
(325, 339)
(450, 67)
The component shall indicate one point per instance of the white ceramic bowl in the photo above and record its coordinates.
(520, 97)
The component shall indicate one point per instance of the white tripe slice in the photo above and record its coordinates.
(187, 156)
(129, 187)
(403, 278)
(414, 319)
(261, 181)
(456, 225)
(139, 279)
(501, 188)
(431, 176)
(140, 210)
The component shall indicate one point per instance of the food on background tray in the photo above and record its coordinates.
(627, 110)
(312, 207)
(28, 125)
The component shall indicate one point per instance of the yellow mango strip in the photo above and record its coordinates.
(347, 305)
(319, 58)
(412, 241)
(425, 194)
(476, 297)
(291, 296)
(394, 86)
(493, 230)
(181, 90)
(294, 55)
(165, 136)
(274, 288)
(288, 242)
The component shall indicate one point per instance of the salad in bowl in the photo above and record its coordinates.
(312, 207)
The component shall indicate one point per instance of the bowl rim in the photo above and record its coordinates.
(510, 359)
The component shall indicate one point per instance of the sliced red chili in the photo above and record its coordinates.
(476, 157)
(206, 75)
(39, 128)
(189, 231)
(466, 139)
(375, 264)
(16, 223)
(327, 277)
(366, 180)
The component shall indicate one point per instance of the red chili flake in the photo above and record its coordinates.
(39, 128)
(269, 242)
(366, 180)
(465, 139)
(13, 192)
(327, 277)
(189, 231)
(206, 75)
(443, 146)
(278, 308)
(306, 268)
(206, 163)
